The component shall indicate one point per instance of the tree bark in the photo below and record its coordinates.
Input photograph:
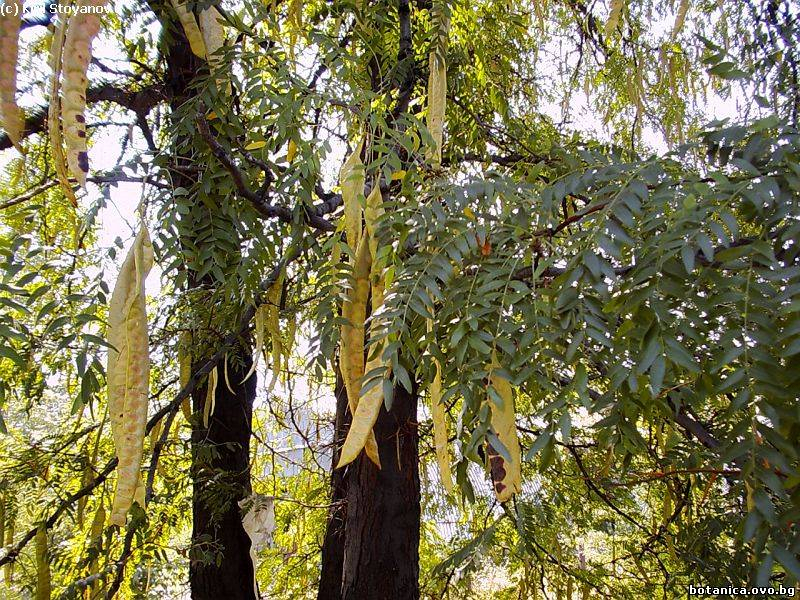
(330, 581)
(220, 565)
(381, 546)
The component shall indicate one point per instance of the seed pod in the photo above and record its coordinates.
(506, 476)
(372, 212)
(86, 479)
(680, 18)
(2, 520)
(129, 371)
(614, 16)
(138, 495)
(8, 568)
(54, 110)
(185, 370)
(259, 330)
(440, 436)
(360, 434)
(351, 355)
(10, 114)
(190, 28)
(96, 542)
(437, 84)
(81, 30)
(351, 180)
(43, 588)
(213, 34)
(211, 391)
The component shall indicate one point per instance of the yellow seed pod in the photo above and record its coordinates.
(272, 324)
(8, 568)
(259, 329)
(211, 390)
(98, 522)
(351, 351)
(54, 110)
(360, 434)
(372, 212)
(190, 28)
(614, 16)
(439, 416)
(43, 587)
(185, 370)
(10, 114)
(86, 479)
(437, 92)
(680, 18)
(351, 180)
(506, 476)
(81, 30)
(2, 520)
(96, 539)
(212, 31)
(128, 370)
(138, 495)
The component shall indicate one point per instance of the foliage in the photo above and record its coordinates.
(627, 252)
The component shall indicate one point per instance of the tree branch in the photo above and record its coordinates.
(264, 208)
(140, 102)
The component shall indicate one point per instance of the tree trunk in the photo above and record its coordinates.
(220, 564)
(330, 581)
(381, 546)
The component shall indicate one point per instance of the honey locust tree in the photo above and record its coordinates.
(509, 239)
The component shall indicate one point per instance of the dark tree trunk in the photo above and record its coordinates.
(381, 546)
(220, 564)
(330, 581)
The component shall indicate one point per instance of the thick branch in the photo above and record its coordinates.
(140, 102)
(264, 208)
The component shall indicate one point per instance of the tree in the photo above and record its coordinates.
(591, 322)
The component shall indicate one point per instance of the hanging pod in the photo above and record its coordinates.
(54, 110)
(351, 359)
(190, 28)
(81, 30)
(352, 180)
(128, 371)
(10, 114)
(506, 475)
(439, 416)
(437, 84)
(43, 586)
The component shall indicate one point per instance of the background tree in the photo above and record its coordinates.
(586, 255)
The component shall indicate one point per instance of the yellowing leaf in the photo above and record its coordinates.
(255, 145)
